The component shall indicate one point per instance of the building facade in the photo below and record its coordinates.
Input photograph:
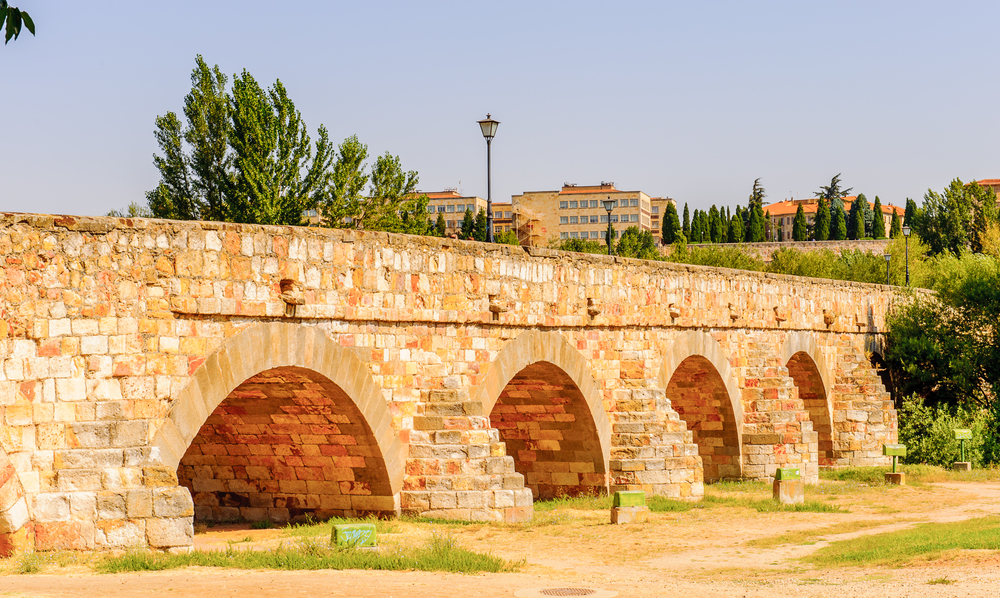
(783, 215)
(577, 212)
(453, 205)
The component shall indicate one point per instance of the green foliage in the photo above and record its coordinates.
(468, 225)
(757, 195)
(637, 243)
(838, 224)
(911, 213)
(717, 229)
(720, 257)
(133, 210)
(735, 228)
(440, 226)
(800, 226)
(441, 553)
(945, 347)
(686, 224)
(15, 19)
(507, 237)
(856, 218)
(671, 230)
(581, 246)
(878, 220)
(956, 219)
(755, 232)
(928, 433)
(834, 191)
(480, 226)
(821, 224)
(895, 229)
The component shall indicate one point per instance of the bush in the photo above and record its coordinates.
(928, 433)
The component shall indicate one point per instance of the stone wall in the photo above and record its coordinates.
(764, 251)
(135, 350)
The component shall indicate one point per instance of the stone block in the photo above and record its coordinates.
(172, 502)
(139, 504)
(167, 533)
(635, 514)
(897, 479)
(789, 491)
(962, 466)
(120, 533)
(111, 505)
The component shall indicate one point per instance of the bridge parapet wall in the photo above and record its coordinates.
(106, 324)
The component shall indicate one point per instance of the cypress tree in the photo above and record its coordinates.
(671, 225)
(755, 232)
(838, 224)
(856, 218)
(800, 225)
(895, 229)
(821, 226)
(481, 226)
(736, 227)
(440, 225)
(686, 225)
(911, 212)
(468, 224)
(878, 220)
(715, 225)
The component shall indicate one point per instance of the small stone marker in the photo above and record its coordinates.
(357, 535)
(789, 488)
(629, 506)
(895, 451)
(963, 465)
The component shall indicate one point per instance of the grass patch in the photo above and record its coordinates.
(768, 505)
(917, 473)
(659, 504)
(811, 536)
(441, 553)
(938, 581)
(926, 541)
(311, 528)
(264, 524)
(580, 503)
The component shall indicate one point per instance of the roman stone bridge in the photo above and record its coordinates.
(159, 373)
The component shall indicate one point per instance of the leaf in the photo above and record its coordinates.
(28, 22)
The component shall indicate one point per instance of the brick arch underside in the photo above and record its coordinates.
(285, 444)
(805, 373)
(699, 395)
(547, 427)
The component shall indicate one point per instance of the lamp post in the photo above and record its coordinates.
(609, 204)
(887, 256)
(906, 236)
(489, 127)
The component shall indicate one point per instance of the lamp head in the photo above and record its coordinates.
(489, 127)
(609, 204)
(906, 231)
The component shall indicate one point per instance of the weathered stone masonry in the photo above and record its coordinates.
(155, 373)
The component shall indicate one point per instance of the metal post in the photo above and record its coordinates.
(489, 196)
(894, 464)
(887, 269)
(907, 237)
(963, 450)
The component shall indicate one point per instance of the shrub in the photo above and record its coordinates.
(928, 433)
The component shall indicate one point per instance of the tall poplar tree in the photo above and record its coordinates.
(895, 229)
(686, 223)
(800, 227)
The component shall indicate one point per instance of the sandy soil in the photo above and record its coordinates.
(721, 551)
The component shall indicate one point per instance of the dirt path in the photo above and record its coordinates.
(690, 554)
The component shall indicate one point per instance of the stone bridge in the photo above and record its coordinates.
(157, 373)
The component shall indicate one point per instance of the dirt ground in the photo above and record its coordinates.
(724, 551)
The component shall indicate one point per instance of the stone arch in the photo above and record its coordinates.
(534, 357)
(807, 367)
(700, 383)
(267, 347)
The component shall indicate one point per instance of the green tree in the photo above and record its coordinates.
(838, 223)
(271, 151)
(15, 18)
(757, 195)
(133, 210)
(912, 211)
(195, 169)
(946, 221)
(508, 237)
(800, 225)
(638, 244)
(671, 230)
(343, 203)
(856, 218)
(481, 226)
(392, 200)
(755, 232)
(895, 229)
(716, 225)
(581, 246)
(468, 225)
(821, 225)
(736, 228)
(440, 226)
(834, 191)
(878, 220)
(686, 224)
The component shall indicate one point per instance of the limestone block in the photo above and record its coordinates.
(76, 480)
(166, 533)
(15, 517)
(172, 502)
(110, 506)
(621, 515)
(139, 504)
(120, 533)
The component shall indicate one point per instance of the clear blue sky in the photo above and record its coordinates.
(688, 99)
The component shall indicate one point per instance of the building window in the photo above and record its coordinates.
(635, 203)
(656, 209)
(574, 235)
(604, 218)
(430, 209)
(564, 220)
(573, 220)
(451, 209)
(470, 207)
(451, 224)
(634, 218)
(562, 205)
(595, 234)
(506, 214)
(614, 218)
(440, 209)
(460, 207)
(563, 235)
(594, 203)
(572, 205)
(497, 229)
(593, 218)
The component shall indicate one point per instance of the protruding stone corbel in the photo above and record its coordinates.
(829, 317)
(292, 295)
(593, 310)
(496, 308)
(674, 311)
(860, 321)
(780, 314)
(733, 313)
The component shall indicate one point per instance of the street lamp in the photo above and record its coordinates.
(906, 236)
(887, 256)
(489, 127)
(609, 204)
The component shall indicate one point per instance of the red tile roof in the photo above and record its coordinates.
(809, 206)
